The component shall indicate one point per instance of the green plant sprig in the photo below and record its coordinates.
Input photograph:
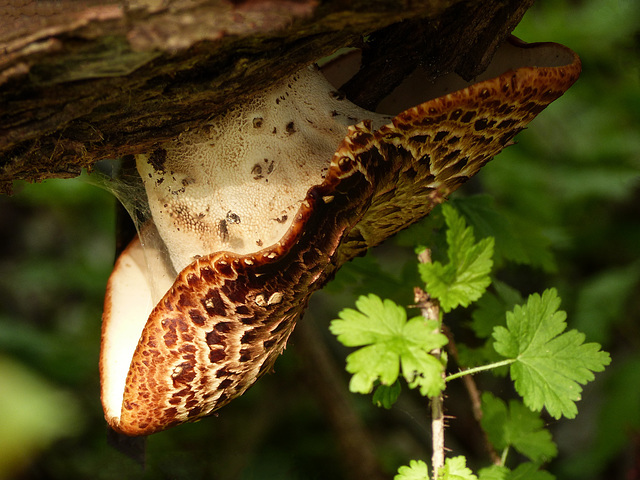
(547, 364)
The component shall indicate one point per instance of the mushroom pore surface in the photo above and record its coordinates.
(237, 183)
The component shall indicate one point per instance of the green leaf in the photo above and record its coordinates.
(491, 311)
(385, 396)
(492, 308)
(456, 469)
(517, 239)
(529, 471)
(417, 470)
(550, 365)
(389, 344)
(524, 471)
(373, 319)
(465, 278)
(516, 426)
(494, 472)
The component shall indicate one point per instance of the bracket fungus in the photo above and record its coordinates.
(258, 208)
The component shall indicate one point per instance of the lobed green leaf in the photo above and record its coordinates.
(373, 319)
(492, 308)
(456, 469)
(516, 426)
(518, 239)
(386, 395)
(550, 365)
(524, 471)
(465, 278)
(416, 470)
(529, 471)
(494, 472)
(390, 345)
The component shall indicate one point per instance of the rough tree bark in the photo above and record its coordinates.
(85, 80)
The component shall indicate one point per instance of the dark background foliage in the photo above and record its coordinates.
(570, 192)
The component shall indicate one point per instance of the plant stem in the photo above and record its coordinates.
(503, 458)
(430, 309)
(437, 435)
(481, 368)
(474, 395)
(469, 383)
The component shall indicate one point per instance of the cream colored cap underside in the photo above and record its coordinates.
(237, 184)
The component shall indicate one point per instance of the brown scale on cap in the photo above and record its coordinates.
(226, 316)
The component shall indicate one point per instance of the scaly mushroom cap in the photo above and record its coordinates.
(254, 218)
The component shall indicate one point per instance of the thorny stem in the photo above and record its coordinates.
(430, 309)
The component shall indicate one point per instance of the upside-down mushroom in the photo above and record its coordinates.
(258, 208)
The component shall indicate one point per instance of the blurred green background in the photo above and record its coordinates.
(570, 188)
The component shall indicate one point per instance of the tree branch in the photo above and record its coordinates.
(84, 81)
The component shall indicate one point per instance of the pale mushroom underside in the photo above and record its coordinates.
(257, 209)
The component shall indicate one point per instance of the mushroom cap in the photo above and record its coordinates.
(228, 313)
